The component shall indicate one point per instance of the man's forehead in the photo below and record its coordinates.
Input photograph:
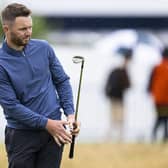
(23, 18)
(24, 21)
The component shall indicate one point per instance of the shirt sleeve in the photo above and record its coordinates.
(12, 106)
(61, 82)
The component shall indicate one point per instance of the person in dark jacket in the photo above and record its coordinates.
(33, 89)
(117, 83)
(158, 87)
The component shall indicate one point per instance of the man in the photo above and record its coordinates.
(117, 83)
(33, 89)
(158, 87)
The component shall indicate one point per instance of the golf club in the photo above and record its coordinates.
(76, 60)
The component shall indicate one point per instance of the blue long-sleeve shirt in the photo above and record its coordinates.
(33, 86)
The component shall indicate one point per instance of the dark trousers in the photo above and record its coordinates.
(32, 149)
(161, 121)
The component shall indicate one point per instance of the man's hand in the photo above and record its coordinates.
(73, 125)
(57, 129)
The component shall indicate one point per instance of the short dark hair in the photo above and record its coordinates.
(14, 10)
(165, 52)
(128, 53)
(125, 52)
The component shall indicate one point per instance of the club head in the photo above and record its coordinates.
(77, 59)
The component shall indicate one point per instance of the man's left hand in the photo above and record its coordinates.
(73, 125)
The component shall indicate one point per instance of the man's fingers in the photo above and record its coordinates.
(57, 141)
(60, 140)
(64, 141)
(76, 128)
(66, 137)
(57, 129)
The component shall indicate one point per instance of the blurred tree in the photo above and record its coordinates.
(1, 33)
(40, 27)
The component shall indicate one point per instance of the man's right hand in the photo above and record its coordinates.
(57, 129)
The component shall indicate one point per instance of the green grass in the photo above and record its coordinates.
(111, 156)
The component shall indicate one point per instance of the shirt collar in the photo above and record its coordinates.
(12, 51)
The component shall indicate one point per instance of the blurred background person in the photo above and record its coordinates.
(117, 82)
(158, 87)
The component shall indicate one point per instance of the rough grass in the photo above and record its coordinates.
(111, 155)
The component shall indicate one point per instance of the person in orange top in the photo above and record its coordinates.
(158, 87)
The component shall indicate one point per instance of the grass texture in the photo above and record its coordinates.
(109, 155)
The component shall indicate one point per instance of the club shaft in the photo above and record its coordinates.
(72, 146)
(79, 88)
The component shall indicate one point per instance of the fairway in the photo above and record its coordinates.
(111, 156)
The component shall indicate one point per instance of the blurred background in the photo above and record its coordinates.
(96, 30)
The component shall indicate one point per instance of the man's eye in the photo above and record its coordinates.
(23, 29)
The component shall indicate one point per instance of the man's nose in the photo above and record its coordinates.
(28, 31)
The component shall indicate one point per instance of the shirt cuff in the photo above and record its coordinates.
(43, 122)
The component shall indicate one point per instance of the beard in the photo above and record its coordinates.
(18, 41)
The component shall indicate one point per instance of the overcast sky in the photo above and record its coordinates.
(96, 7)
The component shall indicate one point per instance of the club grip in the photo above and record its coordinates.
(71, 152)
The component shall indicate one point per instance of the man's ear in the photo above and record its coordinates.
(5, 28)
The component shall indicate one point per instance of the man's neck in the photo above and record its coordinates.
(15, 47)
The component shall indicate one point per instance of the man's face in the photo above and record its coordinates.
(19, 32)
